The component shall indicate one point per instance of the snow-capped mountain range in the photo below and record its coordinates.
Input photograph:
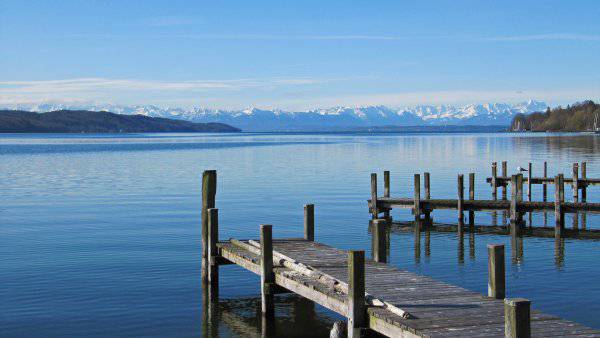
(337, 118)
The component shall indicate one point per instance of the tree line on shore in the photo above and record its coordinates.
(581, 116)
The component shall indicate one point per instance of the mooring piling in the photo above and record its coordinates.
(386, 192)
(496, 273)
(575, 183)
(504, 174)
(545, 185)
(559, 216)
(584, 178)
(309, 222)
(517, 318)
(471, 198)
(379, 240)
(494, 180)
(209, 191)
(213, 265)
(374, 209)
(357, 311)
(461, 198)
(267, 277)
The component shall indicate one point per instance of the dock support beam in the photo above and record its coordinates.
(584, 178)
(209, 190)
(267, 277)
(379, 242)
(213, 265)
(545, 185)
(427, 184)
(514, 228)
(472, 197)
(504, 174)
(309, 222)
(374, 210)
(496, 276)
(517, 318)
(417, 200)
(575, 182)
(461, 198)
(357, 311)
(529, 176)
(559, 215)
(386, 193)
(494, 180)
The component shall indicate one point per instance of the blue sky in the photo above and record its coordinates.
(298, 55)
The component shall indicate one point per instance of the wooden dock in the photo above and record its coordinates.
(516, 207)
(579, 183)
(372, 295)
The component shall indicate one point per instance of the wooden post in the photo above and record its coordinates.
(357, 311)
(267, 278)
(504, 174)
(559, 216)
(461, 197)
(575, 182)
(520, 198)
(427, 183)
(309, 222)
(529, 176)
(379, 240)
(517, 318)
(417, 197)
(513, 205)
(209, 190)
(374, 209)
(545, 185)
(472, 197)
(494, 180)
(584, 178)
(496, 276)
(386, 192)
(213, 266)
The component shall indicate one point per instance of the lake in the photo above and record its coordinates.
(100, 234)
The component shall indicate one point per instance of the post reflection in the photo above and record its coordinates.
(559, 252)
(294, 317)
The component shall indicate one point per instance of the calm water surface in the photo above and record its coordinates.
(100, 235)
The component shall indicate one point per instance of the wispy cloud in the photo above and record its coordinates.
(103, 88)
(546, 37)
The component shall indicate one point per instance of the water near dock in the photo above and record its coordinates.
(101, 236)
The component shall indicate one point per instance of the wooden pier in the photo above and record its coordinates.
(578, 182)
(516, 207)
(372, 295)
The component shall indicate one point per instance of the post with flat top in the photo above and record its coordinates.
(584, 178)
(496, 276)
(504, 174)
(559, 215)
(309, 222)
(529, 176)
(357, 311)
(427, 184)
(471, 198)
(379, 242)
(514, 229)
(267, 277)
(213, 265)
(520, 198)
(209, 190)
(517, 318)
(417, 200)
(494, 180)
(386, 192)
(374, 209)
(461, 197)
(575, 184)
(545, 185)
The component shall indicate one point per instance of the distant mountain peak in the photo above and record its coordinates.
(334, 118)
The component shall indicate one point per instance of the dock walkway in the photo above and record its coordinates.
(439, 309)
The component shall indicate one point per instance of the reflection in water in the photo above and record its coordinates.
(472, 246)
(294, 317)
(559, 252)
